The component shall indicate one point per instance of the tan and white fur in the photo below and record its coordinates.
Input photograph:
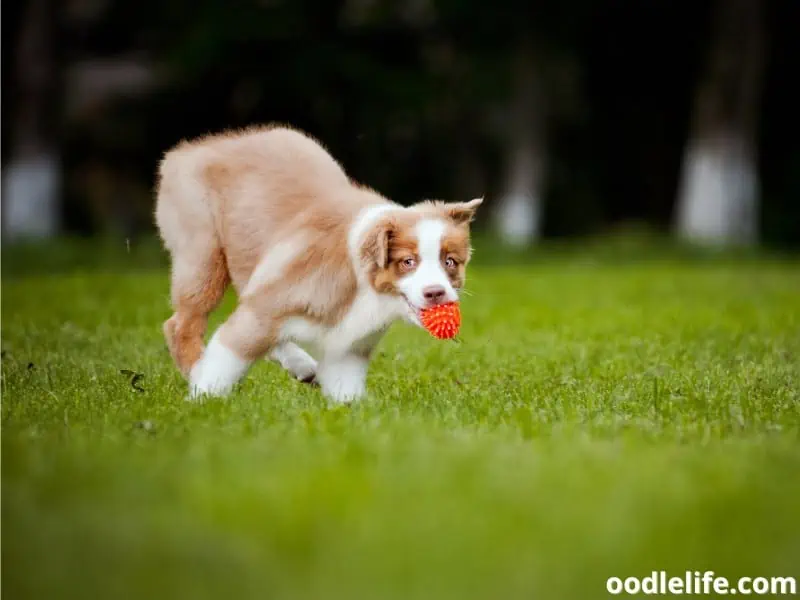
(315, 258)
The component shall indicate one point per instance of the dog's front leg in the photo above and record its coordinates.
(245, 337)
(343, 377)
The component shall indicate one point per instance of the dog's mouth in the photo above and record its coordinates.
(413, 313)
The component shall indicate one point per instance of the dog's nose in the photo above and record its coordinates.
(434, 294)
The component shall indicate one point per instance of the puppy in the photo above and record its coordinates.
(315, 258)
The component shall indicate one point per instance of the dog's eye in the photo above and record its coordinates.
(409, 263)
(450, 263)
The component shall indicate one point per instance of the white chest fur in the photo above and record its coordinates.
(361, 327)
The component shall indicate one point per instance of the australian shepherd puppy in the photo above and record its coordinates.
(315, 258)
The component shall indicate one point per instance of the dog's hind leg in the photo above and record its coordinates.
(198, 286)
(199, 273)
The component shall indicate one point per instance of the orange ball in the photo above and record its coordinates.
(442, 321)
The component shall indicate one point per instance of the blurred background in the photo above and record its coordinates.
(571, 117)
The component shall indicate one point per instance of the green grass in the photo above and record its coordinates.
(599, 418)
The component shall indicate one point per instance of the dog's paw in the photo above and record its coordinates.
(301, 366)
(201, 393)
(296, 361)
(310, 380)
(343, 390)
(344, 379)
(209, 382)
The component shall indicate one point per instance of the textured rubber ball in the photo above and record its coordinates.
(442, 321)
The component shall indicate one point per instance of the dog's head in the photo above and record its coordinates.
(420, 253)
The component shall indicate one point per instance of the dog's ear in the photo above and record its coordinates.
(462, 213)
(377, 243)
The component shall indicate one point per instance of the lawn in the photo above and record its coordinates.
(602, 416)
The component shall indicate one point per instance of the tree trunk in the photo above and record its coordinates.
(519, 213)
(719, 189)
(32, 177)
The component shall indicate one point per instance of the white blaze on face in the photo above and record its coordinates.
(429, 271)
